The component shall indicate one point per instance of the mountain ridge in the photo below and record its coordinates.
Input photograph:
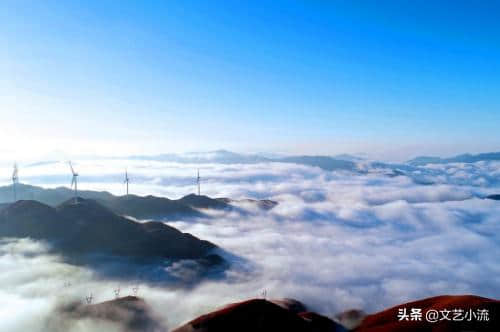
(290, 315)
(89, 228)
(139, 207)
(343, 162)
(462, 158)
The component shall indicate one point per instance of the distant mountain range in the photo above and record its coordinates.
(85, 227)
(463, 158)
(140, 207)
(156, 207)
(341, 162)
(335, 162)
(338, 162)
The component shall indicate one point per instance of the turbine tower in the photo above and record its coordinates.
(74, 181)
(198, 180)
(15, 181)
(127, 180)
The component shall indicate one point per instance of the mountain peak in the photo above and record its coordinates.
(83, 204)
(87, 227)
(24, 206)
(129, 312)
(203, 202)
(87, 211)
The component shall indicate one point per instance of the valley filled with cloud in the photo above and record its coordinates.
(365, 238)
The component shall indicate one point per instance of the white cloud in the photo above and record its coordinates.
(336, 240)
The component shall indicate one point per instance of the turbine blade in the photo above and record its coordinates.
(71, 167)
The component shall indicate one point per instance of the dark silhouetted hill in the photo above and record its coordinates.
(128, 314)
(288, 315)
(291, 315)
(90, 228)
(495, 197)
(149, 207)
(204, 202)
(140, 207)
(49, 196)
(33, 219)
(260, 315)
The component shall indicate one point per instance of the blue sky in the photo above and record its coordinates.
(389, 78)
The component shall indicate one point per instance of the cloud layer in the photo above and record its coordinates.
(337, 240)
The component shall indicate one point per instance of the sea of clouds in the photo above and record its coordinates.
(337, 239)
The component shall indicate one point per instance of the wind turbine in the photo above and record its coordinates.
(127, 180)
(74, 181)
(198, 180)
(135, 290)
(15, 180)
